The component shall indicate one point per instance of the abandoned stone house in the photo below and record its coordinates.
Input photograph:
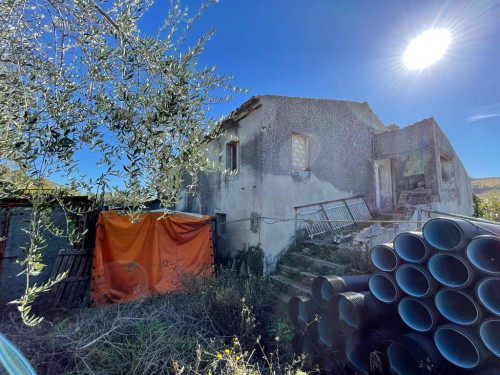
(291, 152)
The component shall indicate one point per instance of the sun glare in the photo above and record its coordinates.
(427, 48)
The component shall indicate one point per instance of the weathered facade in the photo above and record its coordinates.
(290, 152)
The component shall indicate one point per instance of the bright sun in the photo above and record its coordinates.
(427, 48)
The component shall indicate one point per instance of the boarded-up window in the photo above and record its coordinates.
(300, 151)
(232, 150)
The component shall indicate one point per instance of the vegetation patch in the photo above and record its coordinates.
(226, 325)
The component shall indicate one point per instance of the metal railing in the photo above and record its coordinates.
(331, 217)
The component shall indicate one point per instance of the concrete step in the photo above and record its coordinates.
(295, 273)
(291, 287)
(319, 264)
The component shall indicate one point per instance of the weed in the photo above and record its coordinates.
(183, 333)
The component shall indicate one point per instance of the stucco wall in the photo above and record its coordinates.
(340, 154)
(413, 155)
(238, 195)
(456, 195)
(344, 138)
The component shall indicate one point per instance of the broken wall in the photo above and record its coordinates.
(413, 156)
(453, 180)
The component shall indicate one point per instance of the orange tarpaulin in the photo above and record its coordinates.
(149, 256)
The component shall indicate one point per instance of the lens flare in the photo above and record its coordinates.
(426, 49)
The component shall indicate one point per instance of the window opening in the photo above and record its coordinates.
(232, 156)
(300, 152)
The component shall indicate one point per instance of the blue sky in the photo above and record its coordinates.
(352, 50)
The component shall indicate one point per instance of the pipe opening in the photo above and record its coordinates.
(303, 312)
(325, 331)
(484, 254)
(413, 280)
(318, 288)
(450, 270)
(416, 314)
(293, 311)
(490, 334)
(327, 291)
(356, 355)
(402, 361)
(348, 312)
(410, 247)
(384, 258)
(457, 307)
(488, 292)
(456, 347)
(383, 288)
(443, 234)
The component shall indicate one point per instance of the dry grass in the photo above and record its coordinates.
(212, 329)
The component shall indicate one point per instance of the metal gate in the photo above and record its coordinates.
(331, 217)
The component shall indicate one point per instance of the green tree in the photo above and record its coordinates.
(492, 205)
(478, 204)
(79, 77)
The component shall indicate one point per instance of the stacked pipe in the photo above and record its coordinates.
(445, 279)
(342, 324)
(433, 306)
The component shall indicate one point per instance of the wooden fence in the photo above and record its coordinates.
(73, 291)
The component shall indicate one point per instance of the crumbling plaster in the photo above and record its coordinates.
(340, 151)
(426, 138)
(345, 140)
(456, 198)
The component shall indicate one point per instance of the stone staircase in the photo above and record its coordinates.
(301, 264)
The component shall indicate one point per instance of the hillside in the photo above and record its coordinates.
(482, 186)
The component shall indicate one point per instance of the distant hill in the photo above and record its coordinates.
(482, 186)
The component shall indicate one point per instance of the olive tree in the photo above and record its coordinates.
(77, 78)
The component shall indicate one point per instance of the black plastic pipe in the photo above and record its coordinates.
(411, 247)
(449, 234)
(323, 287)
(358, 353)
(356, 311)
(360, 350)
(458, 306)
(384, 257)
(332, 366)
(460, 345)
(338, 347)
(451, 270)
(484, 254)
(489, 331)
(414, 354)
(310, 356)
(297, 343)
(301, 310)
(490, 367)
(415, 280)
(315, 338)
(419, 314)
(327, 329)
(384, 287)
(488, 294)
